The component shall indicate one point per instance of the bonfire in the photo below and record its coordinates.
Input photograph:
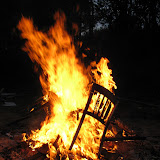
(66, 83)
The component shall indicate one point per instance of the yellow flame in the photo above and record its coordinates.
(66, 77)
(102, 74)
(32, 110)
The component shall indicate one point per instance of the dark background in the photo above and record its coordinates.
(130, 41)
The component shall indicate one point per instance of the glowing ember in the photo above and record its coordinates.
(68, 80)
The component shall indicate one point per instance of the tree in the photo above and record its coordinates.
(128, 15)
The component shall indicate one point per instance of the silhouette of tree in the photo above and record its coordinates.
(123, 15)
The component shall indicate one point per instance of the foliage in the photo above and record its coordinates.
(120, 15)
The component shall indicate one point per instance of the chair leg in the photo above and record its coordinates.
(81, 121)
(77, 131)
(102, 140)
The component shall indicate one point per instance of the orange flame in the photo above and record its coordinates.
(66, 77)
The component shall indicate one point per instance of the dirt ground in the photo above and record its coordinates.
(143, 119)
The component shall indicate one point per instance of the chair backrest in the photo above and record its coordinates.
(102, 109)
(104, 106)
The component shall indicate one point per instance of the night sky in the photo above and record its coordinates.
(135, 61)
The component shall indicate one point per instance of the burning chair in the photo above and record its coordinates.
(103, 110)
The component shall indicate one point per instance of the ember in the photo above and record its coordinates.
(65, 76)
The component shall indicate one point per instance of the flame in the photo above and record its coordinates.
(102, 74)
(65, 82)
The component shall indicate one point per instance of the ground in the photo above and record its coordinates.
(143, 119)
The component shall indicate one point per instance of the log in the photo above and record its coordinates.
(128, 138)
(124, 127)
(38, 155)
(27, 115)
(115, 129)
(108, 155)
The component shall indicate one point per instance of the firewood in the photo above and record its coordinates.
(127, 138)
(116, 130)
(38, 156)
(124, 127)
(108, 155)
(44, 149)
(28, 115)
